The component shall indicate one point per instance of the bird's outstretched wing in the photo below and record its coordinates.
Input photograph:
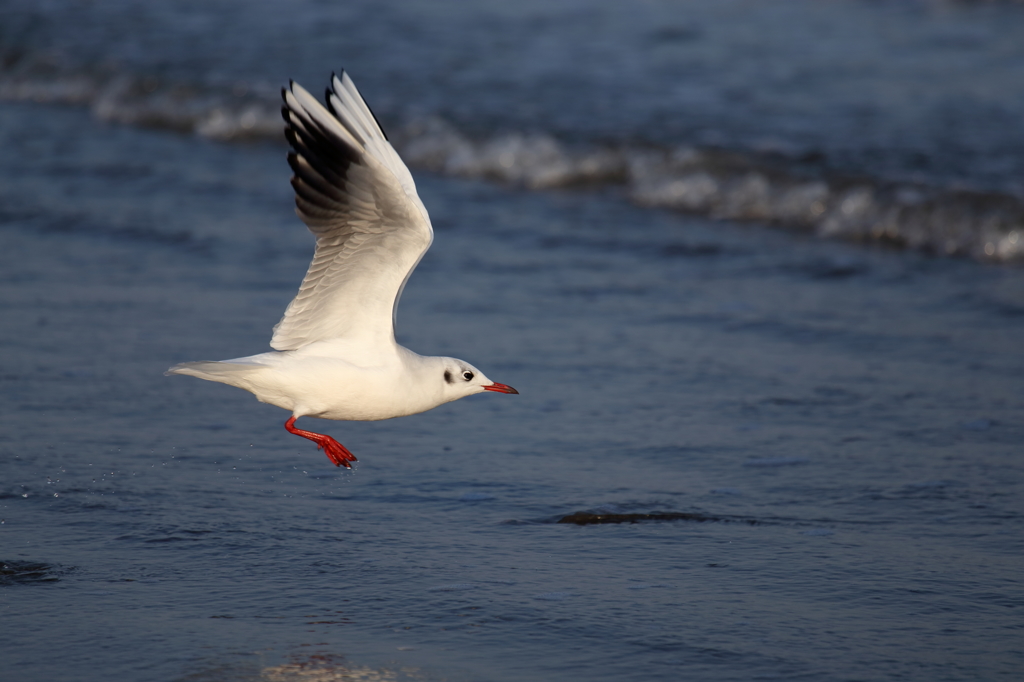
(358, 198)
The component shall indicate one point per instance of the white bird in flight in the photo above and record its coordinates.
(335, 352)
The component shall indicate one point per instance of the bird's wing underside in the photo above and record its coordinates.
(359, 199)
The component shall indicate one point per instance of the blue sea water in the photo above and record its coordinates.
(826, 436)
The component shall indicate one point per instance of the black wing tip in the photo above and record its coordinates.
(340, 75)
(329, 90)
(377, 121)
(290, 137)
(335, 75)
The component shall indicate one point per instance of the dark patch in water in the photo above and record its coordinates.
(27, 573)
(831, 268)
(690, 250)
(676, 34)
(590, 518)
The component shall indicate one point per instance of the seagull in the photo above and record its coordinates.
(335, 354)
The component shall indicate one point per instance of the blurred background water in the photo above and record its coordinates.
(813, 444)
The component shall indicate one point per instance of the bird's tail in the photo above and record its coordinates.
(232, 373)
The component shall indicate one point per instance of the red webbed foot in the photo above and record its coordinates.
(334, 450)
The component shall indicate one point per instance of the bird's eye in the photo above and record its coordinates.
(467, 375)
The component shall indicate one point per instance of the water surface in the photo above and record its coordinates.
(830, 433)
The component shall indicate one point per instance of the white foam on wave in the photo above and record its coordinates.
(239, 111)
(733, 186)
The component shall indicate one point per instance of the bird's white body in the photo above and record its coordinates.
(322, 380)
(336, 356)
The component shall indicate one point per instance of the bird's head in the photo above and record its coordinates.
(461, 379)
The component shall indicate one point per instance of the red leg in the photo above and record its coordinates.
(336, 452)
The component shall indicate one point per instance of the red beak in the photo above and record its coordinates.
(501, 388)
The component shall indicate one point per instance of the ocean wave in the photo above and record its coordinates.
(723, 184)
(227, 112)
(739, 186)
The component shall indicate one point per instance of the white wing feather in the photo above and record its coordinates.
(355, 194)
